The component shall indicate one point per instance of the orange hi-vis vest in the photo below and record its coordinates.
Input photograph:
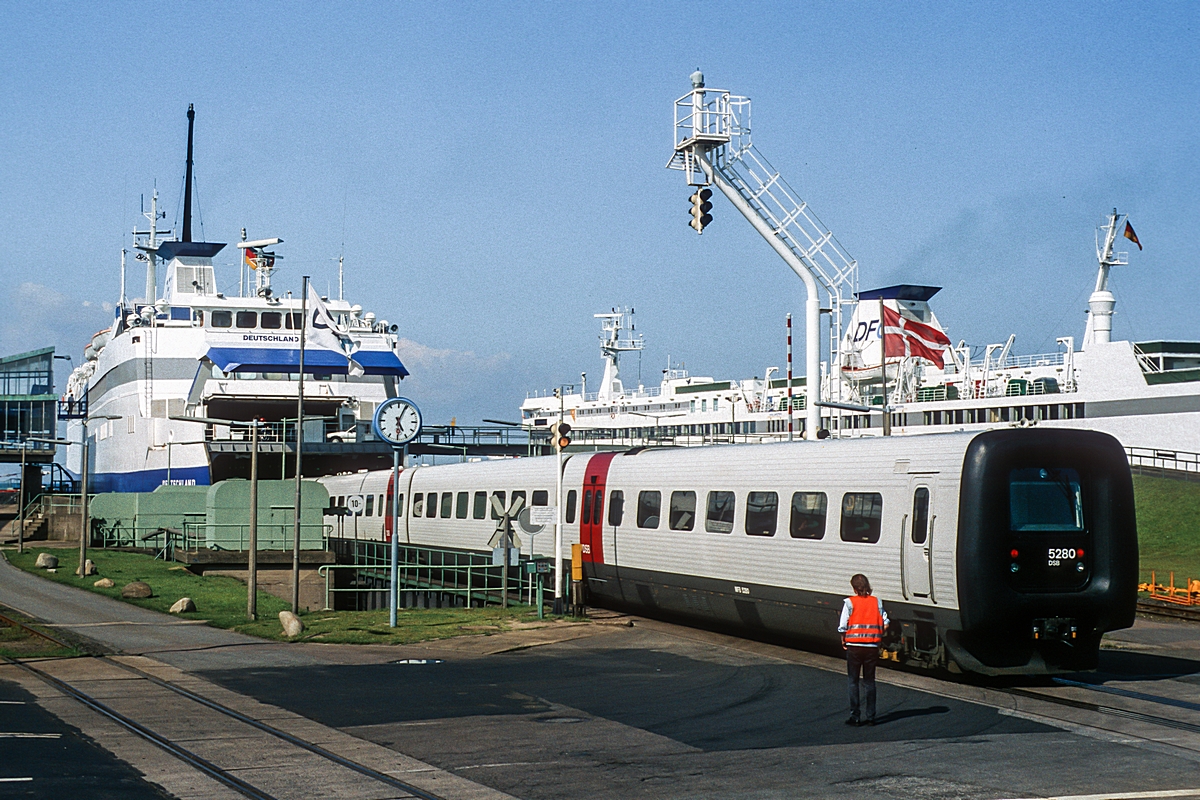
(865, 625)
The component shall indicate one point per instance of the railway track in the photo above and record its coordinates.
(1163, 610)
(207, 766)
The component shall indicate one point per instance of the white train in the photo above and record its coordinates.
(1006, 551)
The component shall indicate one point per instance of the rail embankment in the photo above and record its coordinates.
(1168, 518)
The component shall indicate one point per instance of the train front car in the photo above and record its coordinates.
(1047, 551)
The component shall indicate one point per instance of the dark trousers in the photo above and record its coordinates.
(862, 659)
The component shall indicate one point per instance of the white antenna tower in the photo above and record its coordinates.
(612, 344)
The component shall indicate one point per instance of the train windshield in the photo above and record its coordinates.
(1044, 500)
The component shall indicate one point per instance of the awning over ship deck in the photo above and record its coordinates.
(316, 361)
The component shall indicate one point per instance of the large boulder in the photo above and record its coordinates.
(137, 590)
(104, 583)
(89, 567)
(183, 605)
(292, 626)
(46, 561)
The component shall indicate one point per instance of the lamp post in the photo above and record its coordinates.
(83, 488)
(21, 491)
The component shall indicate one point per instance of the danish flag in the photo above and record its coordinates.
(907, 337)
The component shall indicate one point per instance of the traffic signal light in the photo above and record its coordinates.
(700, 208)
(559, 434)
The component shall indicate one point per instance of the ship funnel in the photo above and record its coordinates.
(187, 181)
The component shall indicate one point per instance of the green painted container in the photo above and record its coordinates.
(227, 512)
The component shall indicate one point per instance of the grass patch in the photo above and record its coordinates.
(17, 642)
(221, 601)
(1168, 518)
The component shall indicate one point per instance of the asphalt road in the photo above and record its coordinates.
(643, 714)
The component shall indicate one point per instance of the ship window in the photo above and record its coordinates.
(272, 320)
(222, 319)
(808, 515)
(247, 319)
(417, 504)
(431, 505)
(572, 496)
(1044, 500)
(616, 507)
(447, 504)
(370, 512)
(480, 509)
(502, 498)
(862, 516)
(649, 506)
(460, 510)
(293, 321)
(719, 518)
(683, 511)
(541, 497)
(704, 405)
(762, 513)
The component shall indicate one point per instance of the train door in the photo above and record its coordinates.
(591, 513)
(386, 507)
(917, 546)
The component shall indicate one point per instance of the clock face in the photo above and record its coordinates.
(398, 421)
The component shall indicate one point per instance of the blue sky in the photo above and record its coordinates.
(494, 173)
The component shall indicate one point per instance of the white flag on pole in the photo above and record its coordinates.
(324, 331)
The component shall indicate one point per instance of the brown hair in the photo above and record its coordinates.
(860, 584)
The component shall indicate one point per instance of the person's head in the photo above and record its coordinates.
(860, 584)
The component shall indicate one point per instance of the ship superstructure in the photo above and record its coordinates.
(186, 349)
(896, 353)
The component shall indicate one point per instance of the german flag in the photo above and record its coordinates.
(1131, 236)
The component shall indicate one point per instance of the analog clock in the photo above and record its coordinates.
(397, 421)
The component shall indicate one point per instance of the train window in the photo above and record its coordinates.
(808, 515)
(379, 505)
(616, 506)
(920, 526)
(571, 498)
(515, 495)
(719, 518)
(417, 504)
(460, 509)
(502, 497)
(389, 512)
(649, 507)
(541, 497)
(370, 512)
(586, 517)
(431, 505)
(683, 511)
(272, 320)
(447, 504)
(246, 319)
(762, 513)
(480, 509)
(341, 501)
(222, 319)
(1044, 500)
(598, 510)
(862, 516)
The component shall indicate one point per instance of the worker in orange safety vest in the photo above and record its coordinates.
(862, 624)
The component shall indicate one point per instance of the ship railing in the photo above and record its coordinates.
(1021, 362)
(1149, 364)
(1164, 463)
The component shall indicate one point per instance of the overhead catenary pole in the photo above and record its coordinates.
(887, 415)
(791, 418)
(558, 516)
(812, 303)
(299, 452)
(83, 499)
(21, 500)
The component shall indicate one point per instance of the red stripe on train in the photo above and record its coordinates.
(591, 517)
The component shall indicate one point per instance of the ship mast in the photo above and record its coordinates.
(1102, 302)
(611, 347)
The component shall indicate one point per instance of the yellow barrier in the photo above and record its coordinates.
(1186, 595)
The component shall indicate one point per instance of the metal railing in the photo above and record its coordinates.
(469, 577)
(1166, 463)
(194, 535)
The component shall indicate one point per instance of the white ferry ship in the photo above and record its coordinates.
(1147, 394)
(186, 349)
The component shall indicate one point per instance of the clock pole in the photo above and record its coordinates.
(394, 598)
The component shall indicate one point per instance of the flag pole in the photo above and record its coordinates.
(887, 417)
(299, 450)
